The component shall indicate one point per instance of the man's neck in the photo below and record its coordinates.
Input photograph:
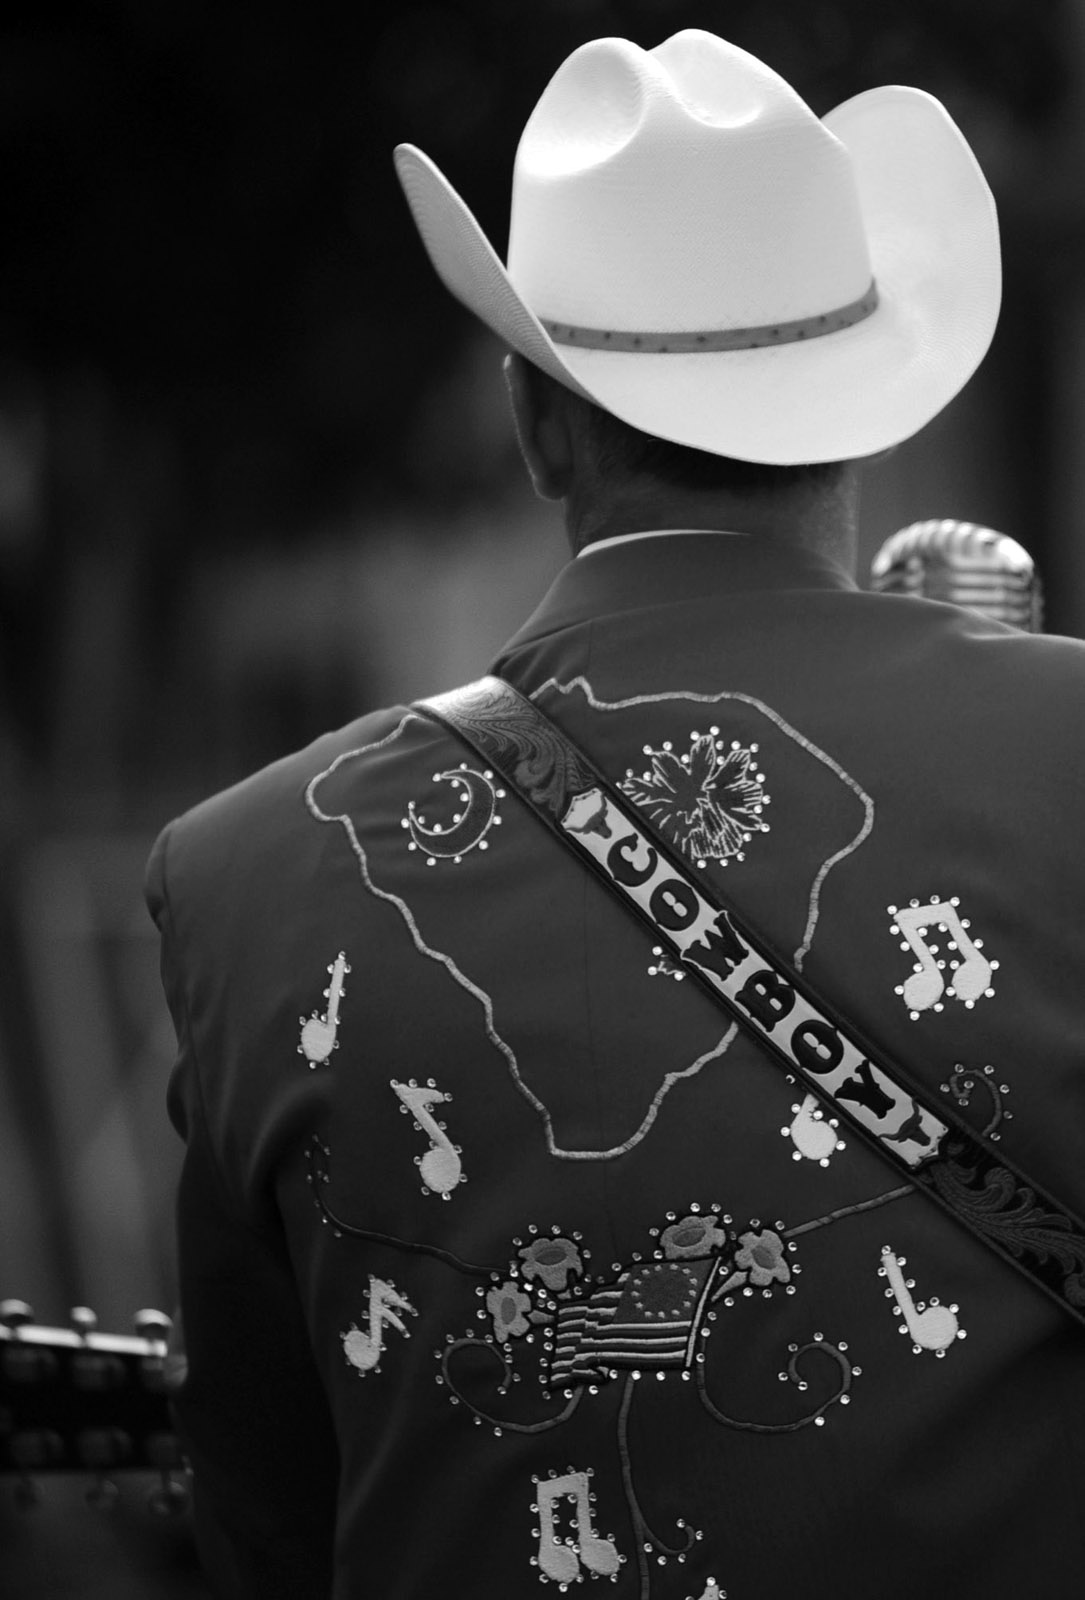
(814, 517)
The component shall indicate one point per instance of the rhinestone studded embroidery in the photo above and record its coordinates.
(970, 968)
(477, 797)
(708, 801)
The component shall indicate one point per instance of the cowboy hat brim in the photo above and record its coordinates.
(932, 233)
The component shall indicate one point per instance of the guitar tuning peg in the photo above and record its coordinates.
(99, 1449)
(102, 1496)
(170, 1499)
(153, 1325)
(15, 1313)
(83, 1320)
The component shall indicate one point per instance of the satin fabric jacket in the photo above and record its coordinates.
(506, 1261)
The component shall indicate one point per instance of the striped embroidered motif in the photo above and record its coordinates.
(647, 1319)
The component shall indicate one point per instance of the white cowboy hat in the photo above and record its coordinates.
(694, 251)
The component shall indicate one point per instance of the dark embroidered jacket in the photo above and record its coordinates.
(505, 1263)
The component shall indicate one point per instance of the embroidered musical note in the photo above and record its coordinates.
(712, 1591)
(971, 973)
(440, 1168)
(932, 1326)
(561, 1560)
(318, 1032)
(362, 1349)
(812, 1133)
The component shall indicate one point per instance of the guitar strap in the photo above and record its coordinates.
(921, 1138)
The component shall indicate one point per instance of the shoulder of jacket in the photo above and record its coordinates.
(230, 831)
(1038, 669)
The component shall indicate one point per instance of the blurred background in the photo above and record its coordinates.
(256, 477)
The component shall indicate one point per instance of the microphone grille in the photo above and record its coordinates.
(964, 564)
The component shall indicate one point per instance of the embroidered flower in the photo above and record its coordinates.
(708, 802)
(552, 1260)
(762, 1256)
(693, 1236)
(508, 1306)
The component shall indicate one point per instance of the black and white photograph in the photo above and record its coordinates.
(542, 774)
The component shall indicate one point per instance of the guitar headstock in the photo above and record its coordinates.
(76, 1400)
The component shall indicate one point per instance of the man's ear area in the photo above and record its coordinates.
(543, 427)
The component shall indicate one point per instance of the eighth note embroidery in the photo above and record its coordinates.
(932, 1326)
(440, 1168)
(971, 971)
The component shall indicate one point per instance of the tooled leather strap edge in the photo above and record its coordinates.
(933, 1147)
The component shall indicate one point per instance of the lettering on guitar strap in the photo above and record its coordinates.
(707, 941)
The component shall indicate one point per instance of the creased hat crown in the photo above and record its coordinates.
(694, 251)
(640, 190)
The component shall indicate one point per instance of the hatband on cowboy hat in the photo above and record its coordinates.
(694, 251)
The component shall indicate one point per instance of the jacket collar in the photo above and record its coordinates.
(635, 574)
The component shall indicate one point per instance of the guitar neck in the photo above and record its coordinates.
(75, 1400)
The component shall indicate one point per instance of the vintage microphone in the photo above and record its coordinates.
(964, 564)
